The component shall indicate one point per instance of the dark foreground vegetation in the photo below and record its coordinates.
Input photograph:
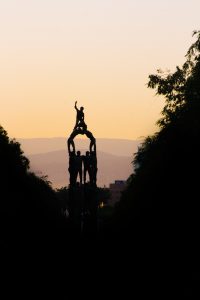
(30, 213)
(151, 241)
(161, 208)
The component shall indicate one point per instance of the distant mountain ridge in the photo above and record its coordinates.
(119, 147)
(55, 165)
(49, 157)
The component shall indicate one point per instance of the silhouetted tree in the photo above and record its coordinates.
(29, 211)
(160, 208)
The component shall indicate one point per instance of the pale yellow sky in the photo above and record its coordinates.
(98, 52)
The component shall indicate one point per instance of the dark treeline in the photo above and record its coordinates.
(30, 215)
(160, 210)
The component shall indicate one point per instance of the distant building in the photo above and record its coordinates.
(115, 191)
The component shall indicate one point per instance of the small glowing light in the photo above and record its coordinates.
(101, 204)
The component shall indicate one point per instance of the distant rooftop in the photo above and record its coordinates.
(120, 181)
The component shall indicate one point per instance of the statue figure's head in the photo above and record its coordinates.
(81, 108)
(78, 153)
(87, 153)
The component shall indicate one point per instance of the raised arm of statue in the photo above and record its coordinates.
(75, 106)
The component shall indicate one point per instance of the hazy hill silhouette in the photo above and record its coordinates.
(55, 165)
(121, 147)
(48, 156)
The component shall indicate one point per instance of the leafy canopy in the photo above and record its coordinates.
(178, 87)
(181, 90)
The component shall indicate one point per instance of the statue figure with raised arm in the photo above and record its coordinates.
(80, 123)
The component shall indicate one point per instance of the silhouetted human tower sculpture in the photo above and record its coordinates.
(82, 193)
(76, 162)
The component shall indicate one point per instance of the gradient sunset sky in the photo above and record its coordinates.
(98, 52)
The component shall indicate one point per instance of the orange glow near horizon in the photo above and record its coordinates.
(99, 53)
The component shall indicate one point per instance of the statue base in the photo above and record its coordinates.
(83, 205)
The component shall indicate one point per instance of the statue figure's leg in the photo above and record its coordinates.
(95, 176)
(90, 174)
(73, 178)
(84, 175)
(80, 175)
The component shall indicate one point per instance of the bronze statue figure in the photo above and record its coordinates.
(70, 143)
(80, 123)
(92, 140)
(78, 167)
(87, 166)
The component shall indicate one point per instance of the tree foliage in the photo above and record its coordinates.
(29, 211)
(180, 88)
(161, 204)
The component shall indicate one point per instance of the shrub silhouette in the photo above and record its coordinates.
(29, 210)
